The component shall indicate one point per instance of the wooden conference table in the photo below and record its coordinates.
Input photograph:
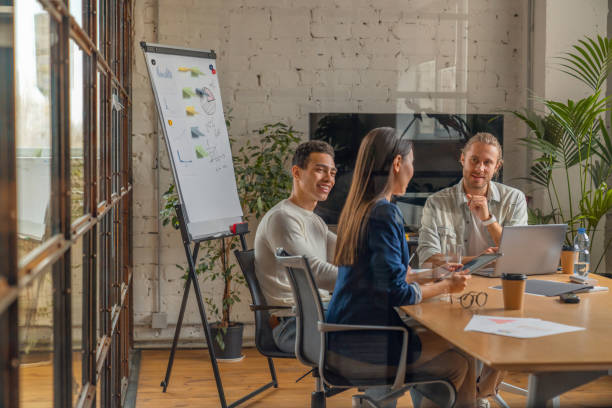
(556, 363)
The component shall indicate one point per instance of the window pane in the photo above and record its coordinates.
(36, 342)
(99, 26)
(103, 125)
(99, 138)
(33, 113)
(77, 174)
(76, 256)
(115, 132)
(76, 11)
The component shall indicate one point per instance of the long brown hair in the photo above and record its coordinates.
(370, 182)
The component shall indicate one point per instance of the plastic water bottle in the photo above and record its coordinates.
(581, 246)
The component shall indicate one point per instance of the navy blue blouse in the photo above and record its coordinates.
(366, 293)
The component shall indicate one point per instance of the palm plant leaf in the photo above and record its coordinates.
(578, 120)
(534, 121)
(600, 172)
(595, 205)
(541, 172)
(603, 146)
(590, 63)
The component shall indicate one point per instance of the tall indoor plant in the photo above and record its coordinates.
(261, 167)
(573, 136)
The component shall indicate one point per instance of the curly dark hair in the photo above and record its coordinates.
(300, 158)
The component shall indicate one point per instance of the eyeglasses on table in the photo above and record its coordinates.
(469, 299)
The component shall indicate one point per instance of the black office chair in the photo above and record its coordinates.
(263, 333)
(338, 371)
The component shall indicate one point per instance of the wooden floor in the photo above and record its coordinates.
(36, 382)
(192, 384)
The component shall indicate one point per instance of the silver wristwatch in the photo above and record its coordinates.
(489, 221)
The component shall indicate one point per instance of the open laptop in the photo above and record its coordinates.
(528, 249)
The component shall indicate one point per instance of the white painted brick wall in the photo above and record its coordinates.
(284, 59)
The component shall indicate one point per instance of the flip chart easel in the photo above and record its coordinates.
(188, 102)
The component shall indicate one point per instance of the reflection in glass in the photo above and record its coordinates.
(115, 136)
(76, 11)
(77, 180)
(36, 342)
(76, 255)
(100, 258)
(99, 184)
(100, 21)
(33, 127)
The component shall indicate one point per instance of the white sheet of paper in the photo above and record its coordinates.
(522, 328)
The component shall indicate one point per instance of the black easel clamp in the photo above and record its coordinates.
(239, 229)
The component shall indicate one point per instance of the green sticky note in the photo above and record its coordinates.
(188, 93)
(200, 152)
(195, 72)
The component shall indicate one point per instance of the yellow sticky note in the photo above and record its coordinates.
(190, 110)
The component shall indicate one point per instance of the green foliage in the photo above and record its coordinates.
(263, 179)
(573, 135)
(261, 167)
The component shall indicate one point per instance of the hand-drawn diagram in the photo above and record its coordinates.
(181, 160)
(184, 154)
(200, 141)
(163, 73)
(207, 100)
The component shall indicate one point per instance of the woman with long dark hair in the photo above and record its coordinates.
(372, 255)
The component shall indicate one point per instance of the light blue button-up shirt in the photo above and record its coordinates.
(447, 218)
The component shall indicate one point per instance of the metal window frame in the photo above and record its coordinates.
(106, 216)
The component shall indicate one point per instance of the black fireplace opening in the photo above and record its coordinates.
(437, 139)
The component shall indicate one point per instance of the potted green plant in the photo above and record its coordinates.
(572, 136)
(263, 179)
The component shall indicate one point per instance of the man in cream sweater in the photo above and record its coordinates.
(293, 225)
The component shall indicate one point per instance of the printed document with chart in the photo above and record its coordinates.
(519, 327)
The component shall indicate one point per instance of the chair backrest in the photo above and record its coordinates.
(309, 310)
(263, 333)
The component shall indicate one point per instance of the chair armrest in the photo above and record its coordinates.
(266, 307)
(401, 369)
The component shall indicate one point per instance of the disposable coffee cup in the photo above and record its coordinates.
(568, 259)
(513, 287)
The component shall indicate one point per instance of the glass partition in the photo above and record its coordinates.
(36, 342)
(33, 127)
(77, 173)
(76, 10)
(77, 308)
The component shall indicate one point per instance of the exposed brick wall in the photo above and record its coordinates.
(283, 59)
